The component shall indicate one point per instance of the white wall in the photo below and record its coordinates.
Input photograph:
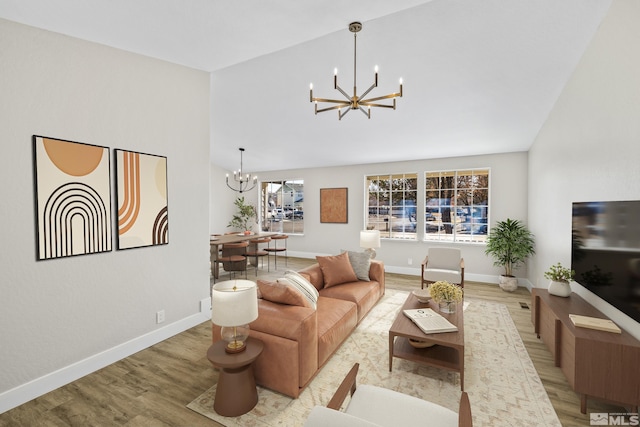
(222, 198)
(63, 318)
(508, 199)
(589, 148)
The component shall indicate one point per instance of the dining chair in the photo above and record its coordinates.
(277, 249)
(255, 252)
(233, 258)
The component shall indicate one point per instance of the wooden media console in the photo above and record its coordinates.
(597, 364)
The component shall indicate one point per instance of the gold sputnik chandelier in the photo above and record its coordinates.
(354, 102)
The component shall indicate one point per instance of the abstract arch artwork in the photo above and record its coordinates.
(73, 198)
(142, 199)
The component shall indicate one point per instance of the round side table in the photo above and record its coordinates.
(236, 393)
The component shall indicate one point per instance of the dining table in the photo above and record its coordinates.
(216, 241)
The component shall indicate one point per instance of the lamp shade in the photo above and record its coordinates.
(370, 239)
(234, 303)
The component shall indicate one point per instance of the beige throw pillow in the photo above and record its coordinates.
(361, 263)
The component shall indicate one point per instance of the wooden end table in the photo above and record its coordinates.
(236, 393)
(448, 351)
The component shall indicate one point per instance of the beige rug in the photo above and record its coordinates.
(503, 386)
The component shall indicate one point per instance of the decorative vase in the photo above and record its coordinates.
(447, 306)
(508, 283)
(560, 289)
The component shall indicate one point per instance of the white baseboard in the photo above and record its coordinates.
(49, 382)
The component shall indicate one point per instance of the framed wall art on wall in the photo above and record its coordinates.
(333, 205)
(142, 199)
(73, 198)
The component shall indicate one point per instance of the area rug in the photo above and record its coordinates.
(503, 385)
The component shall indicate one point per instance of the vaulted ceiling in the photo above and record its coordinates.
(479, 77)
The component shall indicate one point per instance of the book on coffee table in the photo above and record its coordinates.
(429, 321)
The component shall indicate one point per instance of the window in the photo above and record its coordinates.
(391, 205)
(457, 205)
(281, 206)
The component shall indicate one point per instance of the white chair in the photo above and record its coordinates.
(443, 264)
(372, 406)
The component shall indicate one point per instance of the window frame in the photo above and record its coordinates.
(396, 205)
(472, 218)
(288, 217)
(459, 229)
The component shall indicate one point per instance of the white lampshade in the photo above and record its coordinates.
(234, 303)
(370, 239)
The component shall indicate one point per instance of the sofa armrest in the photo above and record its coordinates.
(376, 272)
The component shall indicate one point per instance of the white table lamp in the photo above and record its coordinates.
(234, 304)
(369, 240)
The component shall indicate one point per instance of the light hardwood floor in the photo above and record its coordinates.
(153, 387)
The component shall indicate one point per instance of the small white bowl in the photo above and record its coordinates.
(423, 295)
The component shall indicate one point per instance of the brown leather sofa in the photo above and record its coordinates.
(298, 341)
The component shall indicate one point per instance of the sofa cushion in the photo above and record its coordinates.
(283, 292)
(360, 261)
(336, 320)
(336, 269)
(303, 285)
(364, 294)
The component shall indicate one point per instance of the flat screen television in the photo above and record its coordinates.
(605, 252)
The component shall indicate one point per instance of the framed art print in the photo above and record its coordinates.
(73, 198)
(333, 205)
(142, 199)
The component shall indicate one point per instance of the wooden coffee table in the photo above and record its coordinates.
(448, 351)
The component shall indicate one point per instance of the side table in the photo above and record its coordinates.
(236, 393)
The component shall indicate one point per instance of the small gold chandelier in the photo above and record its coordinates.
(354, 102)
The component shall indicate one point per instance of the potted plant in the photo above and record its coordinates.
(509, 243)
(242, 219)
(446, 295)
(560, 278)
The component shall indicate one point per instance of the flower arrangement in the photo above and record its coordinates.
(442, 291)
(558, 273)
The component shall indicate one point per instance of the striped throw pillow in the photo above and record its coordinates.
(303, 285)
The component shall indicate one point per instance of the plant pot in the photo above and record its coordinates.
(508, 283)
(560, 289)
